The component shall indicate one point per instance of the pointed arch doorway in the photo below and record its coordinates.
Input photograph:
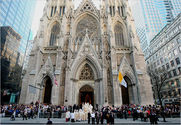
(125, 91)
(47, 91)
(86, 95)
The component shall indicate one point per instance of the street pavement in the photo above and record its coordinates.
(18, 121)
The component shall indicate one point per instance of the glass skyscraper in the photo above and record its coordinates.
(151, 16)
(15, 23)
(173, 8)
(18, 14)
(139, 23)
(153, 11)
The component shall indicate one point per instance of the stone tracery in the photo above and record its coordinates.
(119, 38)
(86, 73)
(54, 34)
(89, 23)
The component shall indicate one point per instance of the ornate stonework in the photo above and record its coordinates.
(85, 49)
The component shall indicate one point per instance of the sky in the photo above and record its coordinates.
(39, 13)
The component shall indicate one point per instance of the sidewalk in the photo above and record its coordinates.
(170, 121)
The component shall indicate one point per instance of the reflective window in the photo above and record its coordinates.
(177, 60)
(179, 40)
(175, 52)
(179, 70)
(172, 63)
(167, 66)
(170, 74)
(170, 55)
(178, 82)
(174, 72)
(161, 60)
(163, 67)
(158, 62)
(179, 48)
(172, 83)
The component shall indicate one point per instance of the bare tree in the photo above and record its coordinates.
(158, 80)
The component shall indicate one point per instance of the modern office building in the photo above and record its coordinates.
(173, 8)
(18, 14)
(27, 55)
(156, 14)
(165, 54)
(139, 23)
(11, 62)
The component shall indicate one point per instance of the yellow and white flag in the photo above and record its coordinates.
(121, 80)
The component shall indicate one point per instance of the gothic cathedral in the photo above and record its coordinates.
(78, 53)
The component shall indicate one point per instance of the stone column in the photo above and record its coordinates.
(55, 94)
(105, 86)
(97, 93)
(135, 94)
(117, 91)
(101, 91)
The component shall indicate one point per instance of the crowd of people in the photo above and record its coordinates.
(97, 114)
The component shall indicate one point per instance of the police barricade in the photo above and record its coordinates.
(51, 115)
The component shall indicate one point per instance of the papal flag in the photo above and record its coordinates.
(121, 80)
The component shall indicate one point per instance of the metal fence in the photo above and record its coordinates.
(62, 115)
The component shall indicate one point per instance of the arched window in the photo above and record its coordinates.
(119, 38)
(54, 33)
(90, 24)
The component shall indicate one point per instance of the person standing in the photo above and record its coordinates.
(13, 115)
(108, 117)
(72, 117)
(67, 116)
(102, 118)
(97, 117)
(93, 117)
(59, 113)
(125, 113)
(153, 117)
(112, 118)
(134, 114)
(25, 113)
(49, 121)
(145, 113)
(89, 116)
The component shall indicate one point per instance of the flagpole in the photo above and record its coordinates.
(39, 101)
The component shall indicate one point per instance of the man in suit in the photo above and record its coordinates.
(89, 115)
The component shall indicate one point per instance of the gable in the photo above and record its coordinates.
(87, 6)
(125, 68)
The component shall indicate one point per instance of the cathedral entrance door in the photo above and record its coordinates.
(47, 91)
(125, 95)
(125, 92)
(86, 95)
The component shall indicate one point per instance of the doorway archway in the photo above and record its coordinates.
(47, 90)
(125, 91)
(86, 95)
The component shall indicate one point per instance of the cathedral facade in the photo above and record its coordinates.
(78, 53)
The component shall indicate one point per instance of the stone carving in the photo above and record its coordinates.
(54, 34)
(86, 89)
(86, 73)
(87, 23)
(119, 38)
